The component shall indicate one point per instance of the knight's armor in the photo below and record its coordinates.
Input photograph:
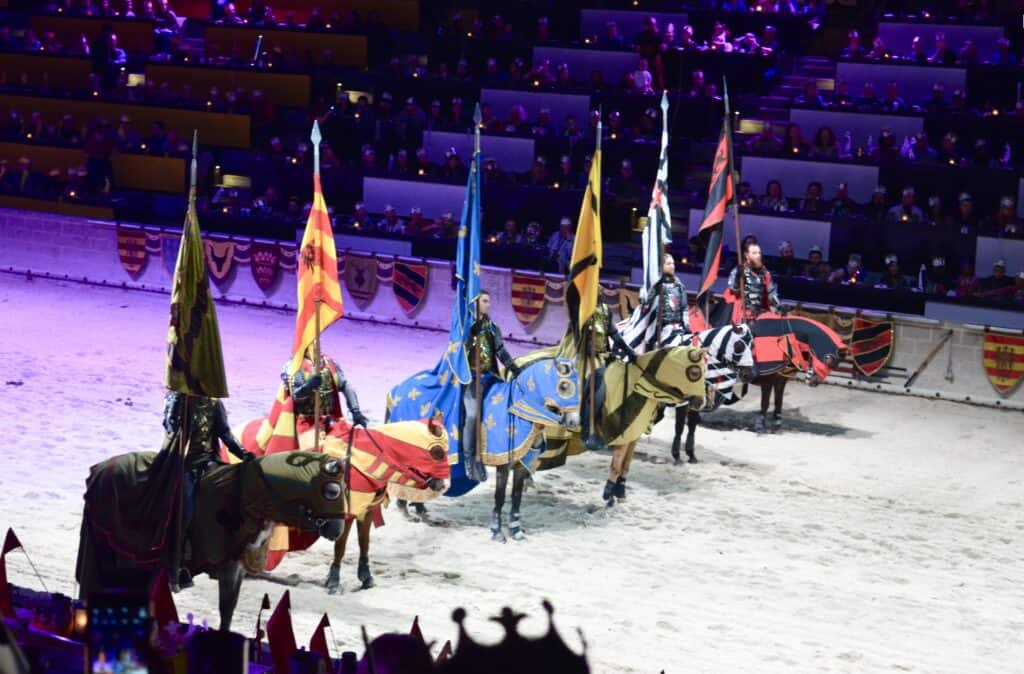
(672, 300)
(606, 336)
(207, 427)
(485, 339)
(305, 386)
(760, 293)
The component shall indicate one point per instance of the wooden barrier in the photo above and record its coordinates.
(135, 36)
(131, 171)
(240, 43)
(215, 128)
(286, 89)
(44, 71)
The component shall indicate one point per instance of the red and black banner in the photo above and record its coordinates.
(720, 195)
(871, 344)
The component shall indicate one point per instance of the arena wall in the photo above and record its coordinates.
(84, 250)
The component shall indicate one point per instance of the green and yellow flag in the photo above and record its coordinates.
(195, 363)
(583, 289)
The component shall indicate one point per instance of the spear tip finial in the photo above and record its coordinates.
(315, 135)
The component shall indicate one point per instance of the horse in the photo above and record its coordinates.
(407, 459)
(729, 359)
(513, 417)
(628, 397)
(125, 533)
(785, 346)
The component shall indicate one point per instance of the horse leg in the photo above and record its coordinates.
(779, 387)
(692, 419)
(363, 570)
(766, 394)
(515, 527)
(229, 583)
(333, 582)
(681, 414)
(500, 487)
(620, 482)
(614, 473)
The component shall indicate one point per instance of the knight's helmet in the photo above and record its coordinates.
(516, 653)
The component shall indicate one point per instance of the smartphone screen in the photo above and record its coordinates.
(117, 632)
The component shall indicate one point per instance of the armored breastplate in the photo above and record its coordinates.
(673, 303)
(202, 440)
(599, 322)
(305, 404)
(753, 290)
(481, 342)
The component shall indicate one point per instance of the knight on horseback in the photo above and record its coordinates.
(207, 426)
(760, 294)
(325, 382)
(485, 348)
(673, 310)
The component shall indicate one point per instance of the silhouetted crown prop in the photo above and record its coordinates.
(516, 653)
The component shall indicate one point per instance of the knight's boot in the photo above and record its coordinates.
(620, 489)
(675, 451)
(515, 527)
(609, 493)
(363, 573)
(759, 425)
(496, 533)
(333, 581)
(691, 455)
(776, 422)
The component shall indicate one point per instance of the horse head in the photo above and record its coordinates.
(732, 346)
(410, 458)
(547, 392)
(813, 349)
(304, 490)
(671, 375)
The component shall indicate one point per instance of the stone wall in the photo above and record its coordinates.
(86, 251)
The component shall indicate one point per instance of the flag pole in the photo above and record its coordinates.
(593, 317)
(727, 128)
(661, 243)
(474, 165)
(184, 431)
(317, 283)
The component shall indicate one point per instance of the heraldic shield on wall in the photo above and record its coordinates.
(1003, 358)
(409, 284)
(131, 249)
(871, 344)
(361, 278)
(527, 297)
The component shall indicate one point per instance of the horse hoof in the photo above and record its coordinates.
(759, 425)
(609, 491)
(620, 490)
(692, 459)
(333, 580)
(363, 573)
(518, 535)
(676, 461)
(498, 537)
(368, 583)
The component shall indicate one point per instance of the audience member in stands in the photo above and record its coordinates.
(649, 47)
(812, 203)
(1006, 223)
(966, 220)
(942, 55)
(745, 195)
(766, 142)
(538, 175)
(918, 52)
(508, 236)
(424, 167)
(934, 277)
(982, 157)
(117, 56)
(230, 16)
(966, 281)
(906, 211)
(810, 98)
(29, 41)
(841, 97)
(615, 129)
(565, 177)
(794, 144)
(887, 150)
(936, 218)
(948, 150)
(786, 265)
(1002, 55)
(697, 89)
(360, 218)
(816, 268)
(453, 170)
(877, 209)
(968, 55)
(625, 195)
(843, 207)
(853, 49)
(543, 127)
(560, 246)
(531, 239)
(411, 124)
(893, 277)
(611, 39)
(824, 145)
(640, 80)
(867, 101)
(773, 199)
(999, 287)
(746, 44)
(851, 274)
(391, 223)
(720, 38)
(893, 102)
(878, 50)
(416, 225)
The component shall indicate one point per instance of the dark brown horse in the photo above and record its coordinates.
(127, 529)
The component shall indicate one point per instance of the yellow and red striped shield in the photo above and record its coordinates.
(527, 297)
(131, 248)
(1003, 358)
